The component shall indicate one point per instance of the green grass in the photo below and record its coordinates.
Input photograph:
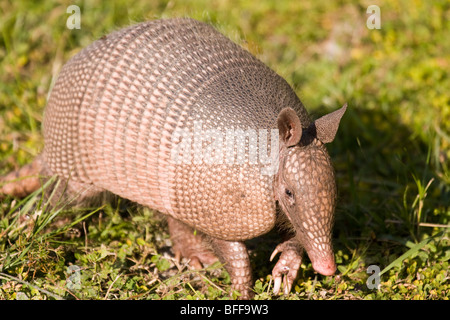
(391, 153)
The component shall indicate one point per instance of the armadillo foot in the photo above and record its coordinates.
(190, 245)
(234, 256)
(286, 269)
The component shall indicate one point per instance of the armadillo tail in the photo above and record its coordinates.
(22, 182)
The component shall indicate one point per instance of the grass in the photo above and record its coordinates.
(391, 153)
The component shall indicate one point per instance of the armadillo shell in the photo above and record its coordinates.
(112, 114)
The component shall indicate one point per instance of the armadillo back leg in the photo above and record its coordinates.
(234, 256)
(190, 244)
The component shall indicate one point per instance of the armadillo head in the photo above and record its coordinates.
(305, 185)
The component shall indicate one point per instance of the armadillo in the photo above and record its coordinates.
(147, 113)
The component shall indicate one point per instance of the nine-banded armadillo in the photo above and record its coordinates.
(173, 115)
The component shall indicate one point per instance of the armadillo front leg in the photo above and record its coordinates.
(234, 256)
(286, 269)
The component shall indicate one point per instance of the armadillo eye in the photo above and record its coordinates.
(288, 193)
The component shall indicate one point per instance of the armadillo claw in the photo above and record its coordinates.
(286, 270)
(195, 263)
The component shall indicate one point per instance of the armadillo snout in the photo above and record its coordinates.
(308, 200)
(320, 252)
(325, 266)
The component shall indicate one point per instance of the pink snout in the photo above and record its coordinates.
(326, 267)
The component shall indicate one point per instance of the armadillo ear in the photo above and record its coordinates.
(327, 126)
(289, 126)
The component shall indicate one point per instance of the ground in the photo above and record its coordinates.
(391, 153)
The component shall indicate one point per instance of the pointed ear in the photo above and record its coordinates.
(327, 126)
(289, 127)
